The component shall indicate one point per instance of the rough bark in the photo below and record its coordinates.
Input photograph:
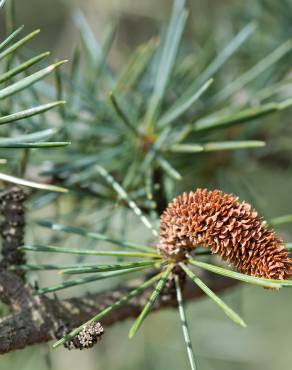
(12, 227)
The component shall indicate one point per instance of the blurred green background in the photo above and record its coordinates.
(266, 343)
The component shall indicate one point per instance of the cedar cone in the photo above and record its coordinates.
(231, 228)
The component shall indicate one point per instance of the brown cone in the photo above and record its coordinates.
(230, 228)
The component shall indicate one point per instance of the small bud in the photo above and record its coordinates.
(90, 335)
(86, 338)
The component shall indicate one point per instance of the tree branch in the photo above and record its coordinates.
(12, 227)
(38, 318)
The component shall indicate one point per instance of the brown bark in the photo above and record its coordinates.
(12, 227)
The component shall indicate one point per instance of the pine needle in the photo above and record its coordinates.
(31, 184)
(184, 324)
(123, 194)
(226, 309)
(54, 249)
(152, 299)
(268, 283)
(94, 235)
(110, 267)
(122, 114)
(85, 280)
